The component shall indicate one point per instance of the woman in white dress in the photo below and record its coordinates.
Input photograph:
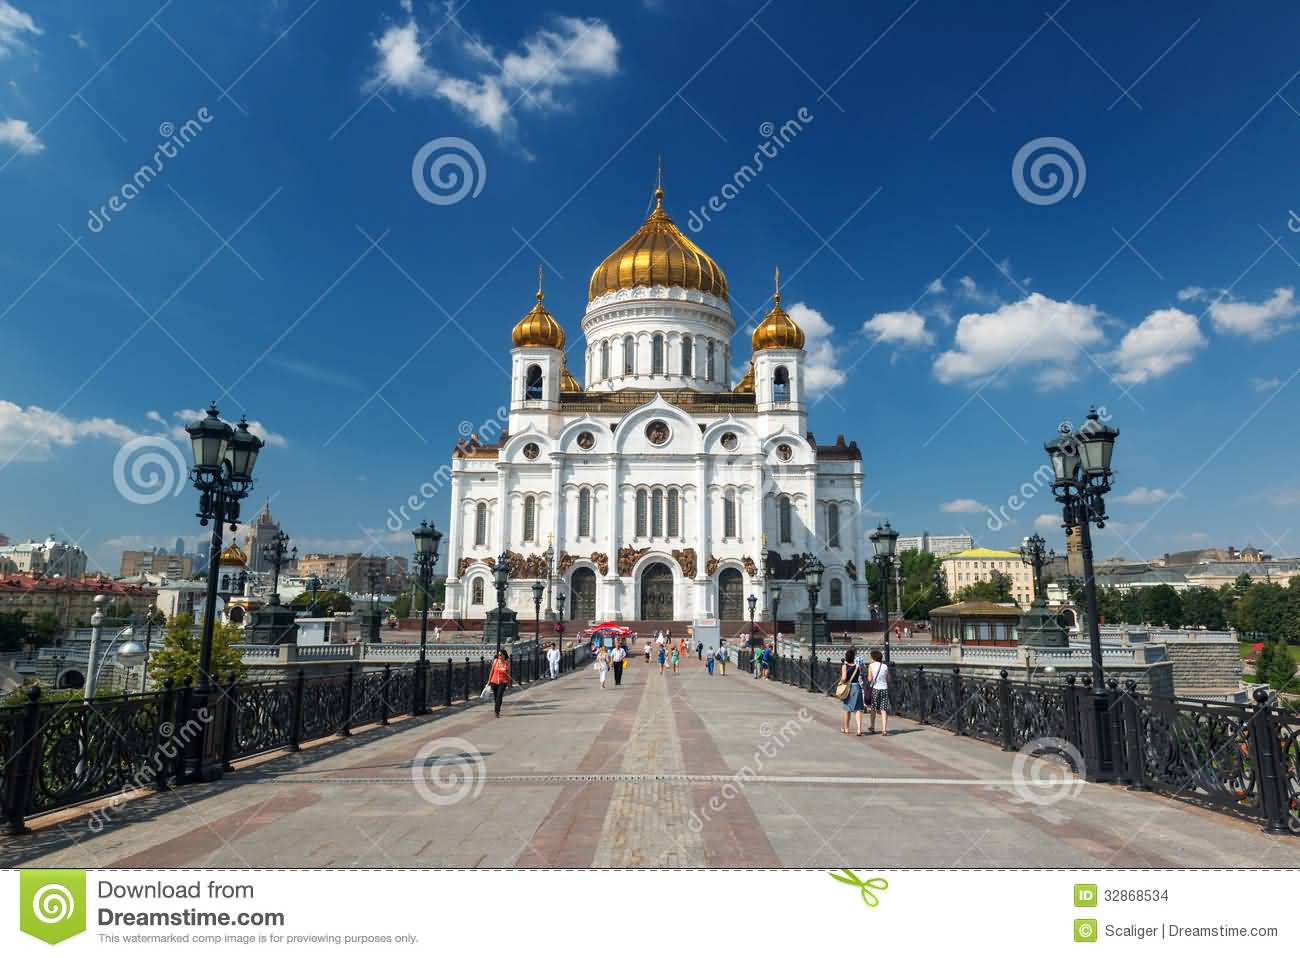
(878, 682)
(602, 665)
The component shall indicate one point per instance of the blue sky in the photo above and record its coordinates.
(283, 259)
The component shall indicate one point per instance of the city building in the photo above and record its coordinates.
(969, 566)
(1212, 575)
(139, 562)
(1128, 577)
(262, 533)
(70, 600)
(662, 488)
(351, 572)
(48, 558)
(936, 545)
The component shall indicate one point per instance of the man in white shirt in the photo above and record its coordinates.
(553, 660)
(617, 657)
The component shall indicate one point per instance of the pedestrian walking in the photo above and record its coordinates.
(499, 679)
(662, 658)
(677, 657)
(878, 683)
(647, 651)
(553, 660)
(851, 675)
(617, 658)
(602, 665)
(758, 662)
(766, 659)
(722, 659)
(699, 651)
(709, 663)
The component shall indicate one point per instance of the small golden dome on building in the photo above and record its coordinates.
(658, 254)
(777, 330)
(232, 555)
(538, 327)
(746, 384)
(568, 384)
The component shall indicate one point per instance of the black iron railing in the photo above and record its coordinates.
(54, 754)
(1241, 759)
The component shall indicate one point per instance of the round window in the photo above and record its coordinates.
(729, 440)
(586, 440)
(531, 451)
(657, 432)
(784, 452)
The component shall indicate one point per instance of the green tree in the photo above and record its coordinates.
(1281, 667)
(1264, 662)
(1268, 609)
(327, 603)
(1203, 607)
(401, 607)
(1110, 604)
(179, 655)
(43, 629)
(13, 631)
(996, 588)
(1164, 606)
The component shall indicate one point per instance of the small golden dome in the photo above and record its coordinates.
(777, 330)
(538, 327)
(746, 384)
(567, 383)
(232, 555)
(658, 254)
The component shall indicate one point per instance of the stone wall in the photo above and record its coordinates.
(1202, 666)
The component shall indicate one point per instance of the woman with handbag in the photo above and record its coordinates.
(851, 685)
(499, 679)
(602, 665)
(878, 686)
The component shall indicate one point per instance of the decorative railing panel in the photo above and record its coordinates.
(263, 716)
(1199, 751)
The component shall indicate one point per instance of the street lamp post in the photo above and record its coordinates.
(538, 589)
(1035, 554)
(753, 606)
(1082, 476)
(812, 574)
(277, 553)
(885, 541)
(549, 556)
(501, 578)
(427, 539)
(313, 586)
(374, 579)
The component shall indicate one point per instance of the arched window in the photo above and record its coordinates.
(476, 592)
(781, 385)
(657, 513)
(480, 524)
(604, 360)
(711, 367)
(657, 354)
(629, 355)
(837, 592)
(533, 383)
(687, 369)
(833, 526)
(673, 503)
(584, 512)
(225, 583)
(785, 519)
(729, 514)
(641, 513)
(530, 518)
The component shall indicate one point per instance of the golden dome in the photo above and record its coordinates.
(777, 330)
(746, 384)
(538, 327)
(567, 383)
(658, 254)
(232, 555)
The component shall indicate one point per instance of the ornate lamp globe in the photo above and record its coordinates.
(1097, 442)
(753, 604)
(538, 589)
(774, 593)
(426, 540)
(241, 452)
(501, 574)
(1063, 452)
(131, 652)
(209, 437)
(813, 574)
(884, 540)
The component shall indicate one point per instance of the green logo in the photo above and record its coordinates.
(1085, 929)
(52, 903)
(1085, 896)
(867, 887)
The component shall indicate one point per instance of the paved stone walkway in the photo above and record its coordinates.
(664, 771)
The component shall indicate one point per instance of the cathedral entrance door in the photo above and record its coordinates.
(582, 587)
(657, 592)
(731, 595)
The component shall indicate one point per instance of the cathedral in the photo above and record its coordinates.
(655, 489)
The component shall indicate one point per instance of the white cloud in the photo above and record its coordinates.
(184, 417)
(1190, 292)
(1163, 341)
(906, 328)
(79, 40)
(964, 505)
(821, 364)
(935, 287)
(15, 26)
(1047, 521)
(549, 60)
(18, 134)
(1256, 320)
(971, 290)
(1263, 385)
(1036, 332)
(30, 434)
(1144, 496)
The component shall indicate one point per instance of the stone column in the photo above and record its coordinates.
(503, 506)
(702, 545)
(557, 500)
(453, 527)
(610, 585)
